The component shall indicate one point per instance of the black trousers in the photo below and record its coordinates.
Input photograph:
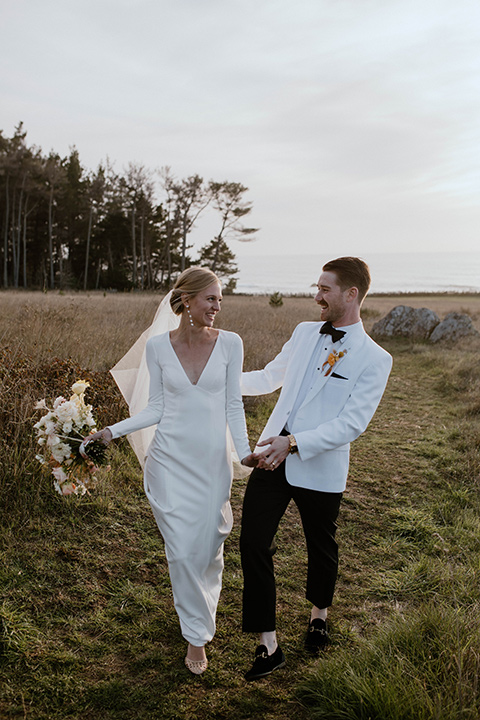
(266, 498)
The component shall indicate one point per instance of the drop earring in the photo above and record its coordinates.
(189, 314)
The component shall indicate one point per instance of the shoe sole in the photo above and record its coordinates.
(266, 674)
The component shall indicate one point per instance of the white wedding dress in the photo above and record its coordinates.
(188, 470)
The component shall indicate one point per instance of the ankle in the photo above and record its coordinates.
(318, 613)
(269, 639)
(196, 653)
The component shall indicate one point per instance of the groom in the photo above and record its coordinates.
(332, 376)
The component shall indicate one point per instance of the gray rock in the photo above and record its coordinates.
(454, 326)
(405, 321)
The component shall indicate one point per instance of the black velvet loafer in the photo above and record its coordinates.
(317, 636)
(264, 664)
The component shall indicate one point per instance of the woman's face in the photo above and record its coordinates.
(205, 305)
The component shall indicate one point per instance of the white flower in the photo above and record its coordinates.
(59, 474)
(69, 489)
(67, 427)
(49, 428)
(41, 405)
(66, 411)
(61, 451)
(80, 386)
(58, 401)
(43, 421)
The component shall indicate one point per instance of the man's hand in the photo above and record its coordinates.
(279, 448)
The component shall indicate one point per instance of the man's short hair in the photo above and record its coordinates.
(350, 272)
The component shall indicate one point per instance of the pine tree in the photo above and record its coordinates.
(219, 258)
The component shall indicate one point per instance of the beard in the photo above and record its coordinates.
(333, 313)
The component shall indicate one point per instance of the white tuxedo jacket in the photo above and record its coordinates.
(336, 410)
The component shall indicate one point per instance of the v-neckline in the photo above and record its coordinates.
(204, 367)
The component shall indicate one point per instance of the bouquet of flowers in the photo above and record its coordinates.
(60, 434)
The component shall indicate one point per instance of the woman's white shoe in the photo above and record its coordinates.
(197, 667)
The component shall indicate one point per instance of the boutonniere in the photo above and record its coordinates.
(332, 359)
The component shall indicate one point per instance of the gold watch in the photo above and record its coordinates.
(293, 444)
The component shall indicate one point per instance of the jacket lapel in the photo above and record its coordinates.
(306, 350)
(321, 380)
(347, 348)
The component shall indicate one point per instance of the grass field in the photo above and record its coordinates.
(87, 625)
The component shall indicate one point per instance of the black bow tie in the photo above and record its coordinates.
(328, 329)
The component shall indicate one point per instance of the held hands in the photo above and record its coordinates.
(104, 436)
(279, 448)
(250, 460)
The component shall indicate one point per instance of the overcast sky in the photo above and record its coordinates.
(355, 124)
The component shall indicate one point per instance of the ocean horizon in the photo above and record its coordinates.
(391, 272)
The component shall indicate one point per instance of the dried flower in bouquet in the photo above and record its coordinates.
(60, 434)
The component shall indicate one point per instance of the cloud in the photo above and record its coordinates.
(345, 119)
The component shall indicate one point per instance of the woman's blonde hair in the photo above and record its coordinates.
(191, 281)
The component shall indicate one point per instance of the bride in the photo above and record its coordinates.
(195, 406)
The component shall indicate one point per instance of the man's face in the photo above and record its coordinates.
(331, 298)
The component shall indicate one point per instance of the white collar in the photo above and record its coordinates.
(351, 331)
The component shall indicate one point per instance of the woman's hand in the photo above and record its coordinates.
(104, 436)
(250, 460)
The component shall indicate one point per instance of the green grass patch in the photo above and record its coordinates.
(419, 666)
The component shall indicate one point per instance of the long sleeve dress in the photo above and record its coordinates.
(188, 470)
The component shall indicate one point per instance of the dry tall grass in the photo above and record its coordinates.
(96, 329)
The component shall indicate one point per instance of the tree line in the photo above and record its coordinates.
(64, 226)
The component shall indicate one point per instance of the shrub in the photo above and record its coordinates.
(276, 299)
